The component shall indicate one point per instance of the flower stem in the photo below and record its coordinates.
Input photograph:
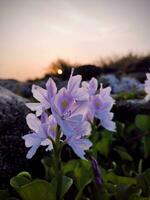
(58, 165)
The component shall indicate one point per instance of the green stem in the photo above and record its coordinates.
(58, 165)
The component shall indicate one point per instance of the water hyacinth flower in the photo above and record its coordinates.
(44, 96)
(42, 130)
(100, 104)
(78, 93)
(72, 108)
(97, 172)
(41, 95)
(147, 86)
(68, 114)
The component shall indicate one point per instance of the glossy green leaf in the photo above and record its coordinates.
(124, 155)
(115, 179)
(67, 182)
(48, 166)
(37, 189)
(146, 144)
(143, 182)
(143, 122)
(103, 146)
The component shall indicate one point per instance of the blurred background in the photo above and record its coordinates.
(36, 33)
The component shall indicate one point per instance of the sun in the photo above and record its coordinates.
(59, 71)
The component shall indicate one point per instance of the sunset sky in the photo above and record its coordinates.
(33, 33)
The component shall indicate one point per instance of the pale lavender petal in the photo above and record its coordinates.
(74, 120)
(93, 85)
(32, 151)
(109, 125)
(51, 89)
(52, 127)
(38, 107)
(31, 139)
(81, 95)
(33, 122)
(63, 101)
(44, 117)
(47, 143)
(84, 129)
(85, 84)
(39, 93)
(89, 115)
(80, 108)
(79, 146)
(105, 91)
(73, 84)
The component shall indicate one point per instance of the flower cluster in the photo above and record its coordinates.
(147, 86)
(72, 109)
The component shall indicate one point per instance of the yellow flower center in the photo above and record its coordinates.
(53, 128)
(97, 103)
(64, 104)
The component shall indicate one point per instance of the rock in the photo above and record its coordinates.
(10, 84)
(17, 87)
(12, 128)
(122, 84)
(126, 110)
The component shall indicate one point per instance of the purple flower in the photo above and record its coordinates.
(79, 145)
(97, 172)
(68, 107)
(44, 96)
(67, 112)
(147, 86)
(78, 142)
(91, 87)
(78, 93)
(100, 104)
(41, 95)
(42, 131)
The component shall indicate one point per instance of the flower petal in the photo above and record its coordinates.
(32, 151)
(33, 122)
(79, 146)
(39, 93)
(73, 84)
(51, 89)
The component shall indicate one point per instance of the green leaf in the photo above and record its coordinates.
(80, 171)
(48, 166)
(115, 179)
(143, 122)
(17, 181)
(146, 143)
(103, 146)
(143, 182)
(67, 182)
(25, 175)
(35, 190)
(123, 153)
(120, 129)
